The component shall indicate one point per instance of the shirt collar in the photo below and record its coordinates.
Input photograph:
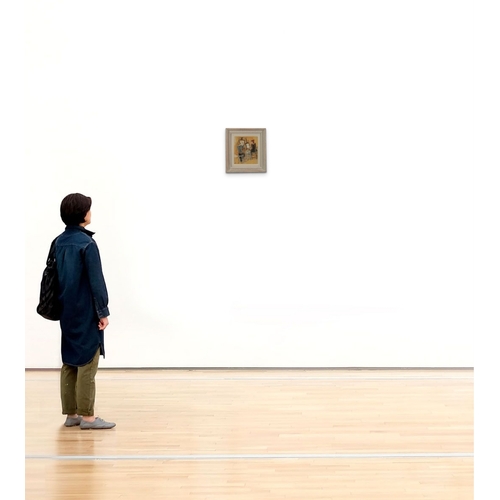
(80, 228)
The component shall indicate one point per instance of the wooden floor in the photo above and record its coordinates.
(256, 434)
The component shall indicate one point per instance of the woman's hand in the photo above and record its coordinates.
(103, 323)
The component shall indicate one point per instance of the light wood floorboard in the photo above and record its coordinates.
(193, 434)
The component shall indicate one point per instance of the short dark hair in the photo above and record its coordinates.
(74, 208)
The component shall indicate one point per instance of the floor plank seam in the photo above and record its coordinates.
(253, 456)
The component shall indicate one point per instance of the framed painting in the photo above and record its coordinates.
(246, 150)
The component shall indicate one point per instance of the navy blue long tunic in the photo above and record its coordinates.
(83, 295)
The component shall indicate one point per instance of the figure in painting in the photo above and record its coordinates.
(248, 152)
(253, 149)
(241, 150)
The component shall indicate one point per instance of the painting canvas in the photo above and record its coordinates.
(246, 150)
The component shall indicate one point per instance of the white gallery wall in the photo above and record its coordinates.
(355, 249)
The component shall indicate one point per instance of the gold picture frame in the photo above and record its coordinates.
(246, 150)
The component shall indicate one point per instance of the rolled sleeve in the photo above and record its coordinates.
(96, 279)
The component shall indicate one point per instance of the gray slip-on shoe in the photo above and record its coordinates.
(71, 422)
(98, 423)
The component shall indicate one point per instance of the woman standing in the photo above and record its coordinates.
(84, 300)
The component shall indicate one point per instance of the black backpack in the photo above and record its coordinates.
(49, 306)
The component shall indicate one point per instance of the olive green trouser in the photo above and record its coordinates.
(78, 387)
